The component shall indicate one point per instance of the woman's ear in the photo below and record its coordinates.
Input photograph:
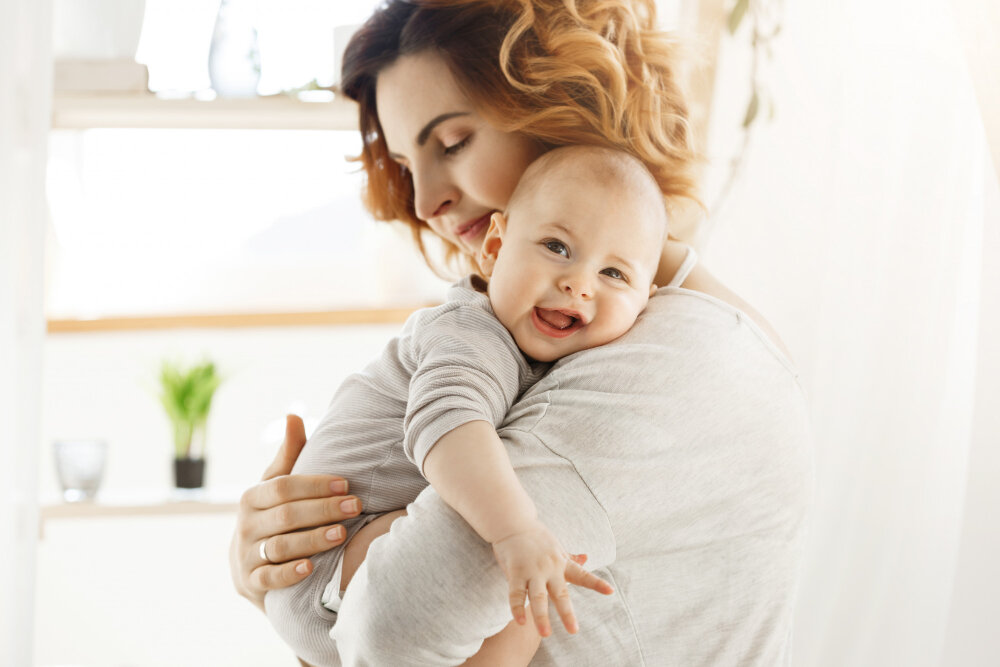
(490, 249)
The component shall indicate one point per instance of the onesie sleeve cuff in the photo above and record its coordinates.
(425, 435)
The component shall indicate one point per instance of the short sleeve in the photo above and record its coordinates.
(466, 368)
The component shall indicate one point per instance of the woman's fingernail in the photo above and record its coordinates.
(349, 505)
(335, 533)
(302, 568)
(338, 487)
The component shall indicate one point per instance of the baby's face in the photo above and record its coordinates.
(572, 268)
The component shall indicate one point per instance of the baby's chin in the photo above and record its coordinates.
(550, 353)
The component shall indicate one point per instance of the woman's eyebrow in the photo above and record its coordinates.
(434, 122)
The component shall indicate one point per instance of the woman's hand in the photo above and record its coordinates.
(293, 515)
(536, 564)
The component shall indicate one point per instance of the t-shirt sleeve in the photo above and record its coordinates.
(467, 368)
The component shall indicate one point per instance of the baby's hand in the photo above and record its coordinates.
(535, 563)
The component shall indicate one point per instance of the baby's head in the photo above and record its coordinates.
(571, 262)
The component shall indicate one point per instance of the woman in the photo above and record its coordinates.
(680, 452)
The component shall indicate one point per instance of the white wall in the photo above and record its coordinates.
(156, 591)
(104, 385)
(25, 102)
(145, 592)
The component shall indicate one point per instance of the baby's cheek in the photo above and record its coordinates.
(620, 326)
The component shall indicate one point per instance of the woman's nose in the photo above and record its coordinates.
(433, 192)
(576, 283)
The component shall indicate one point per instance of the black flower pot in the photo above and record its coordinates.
(189, 473)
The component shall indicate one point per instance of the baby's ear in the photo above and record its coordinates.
(490, 249)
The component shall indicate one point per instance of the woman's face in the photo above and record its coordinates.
(463, 169)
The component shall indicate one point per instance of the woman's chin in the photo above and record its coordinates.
(470, 246)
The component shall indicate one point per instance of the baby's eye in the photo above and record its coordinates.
(557, 247)
(612, 272)
(456, 147)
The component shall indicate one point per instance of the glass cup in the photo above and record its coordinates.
(80, 465)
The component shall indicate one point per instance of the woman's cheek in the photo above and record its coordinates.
(503, 158)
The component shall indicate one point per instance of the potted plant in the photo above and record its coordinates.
(186, 394)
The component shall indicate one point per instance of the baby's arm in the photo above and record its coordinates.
(469, 468)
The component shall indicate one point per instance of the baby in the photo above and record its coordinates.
(570, 266)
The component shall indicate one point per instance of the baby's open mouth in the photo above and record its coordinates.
(555, 323)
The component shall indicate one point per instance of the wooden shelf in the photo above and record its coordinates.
(80, 111)
(164, 508)
(167, 502)
(318, 318)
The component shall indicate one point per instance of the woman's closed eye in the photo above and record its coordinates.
(457, 147)
(558, 247)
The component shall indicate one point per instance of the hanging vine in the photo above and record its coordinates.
(764, 27)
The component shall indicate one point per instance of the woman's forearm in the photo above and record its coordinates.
(471, 471)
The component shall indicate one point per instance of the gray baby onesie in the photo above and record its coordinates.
(452, 364)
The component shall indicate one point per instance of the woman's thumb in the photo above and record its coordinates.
(295, 433)
(291, 447)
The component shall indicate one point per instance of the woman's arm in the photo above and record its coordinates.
(275, 510)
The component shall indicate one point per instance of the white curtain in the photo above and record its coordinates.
(866, 229)
(25, 102)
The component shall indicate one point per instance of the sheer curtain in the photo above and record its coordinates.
(866, 230)
(25, 98)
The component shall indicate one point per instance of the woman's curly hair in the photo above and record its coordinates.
(561, 72)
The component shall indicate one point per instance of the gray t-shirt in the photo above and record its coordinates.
(700, 474)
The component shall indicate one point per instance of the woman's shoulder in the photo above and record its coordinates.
(708, 327)
(701, 281)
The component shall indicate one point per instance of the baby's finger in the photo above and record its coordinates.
(560, 597)
(518, 593)
(540, 606)
(579, 577)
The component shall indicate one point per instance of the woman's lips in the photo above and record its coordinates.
(472, 230)
(538, 318)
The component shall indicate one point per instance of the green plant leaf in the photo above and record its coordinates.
(186, 395)
(752, 109)
(736, 15)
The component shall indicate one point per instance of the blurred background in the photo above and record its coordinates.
(174, 188)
